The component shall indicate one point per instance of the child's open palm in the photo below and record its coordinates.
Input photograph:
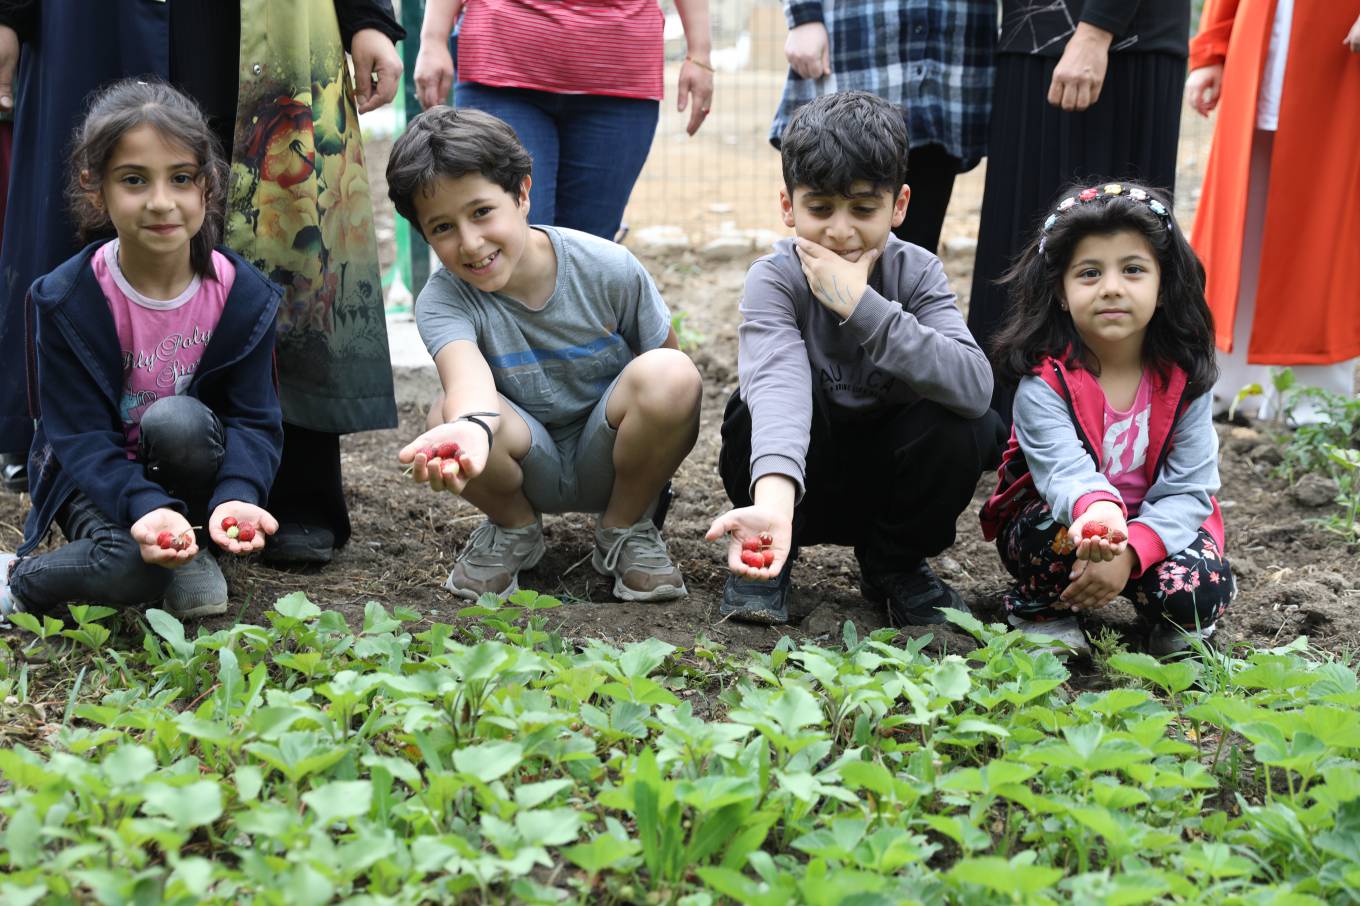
(242, 512)
(1100, 548)
(746, 523)
(147, 530)
(453, 474)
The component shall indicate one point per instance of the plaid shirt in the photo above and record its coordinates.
(932, 58)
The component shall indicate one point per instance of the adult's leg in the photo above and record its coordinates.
(529, 113)
(930, 173)
(101, 564)
(604, 143)
(307, 498)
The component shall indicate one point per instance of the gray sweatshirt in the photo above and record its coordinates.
(906, 340)
(1176, 504)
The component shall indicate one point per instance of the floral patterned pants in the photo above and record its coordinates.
(1192, 585)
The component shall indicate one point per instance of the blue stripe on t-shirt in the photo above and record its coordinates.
(530, 356)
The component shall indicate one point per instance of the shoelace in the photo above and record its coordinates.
(649, 551)
(487, 544)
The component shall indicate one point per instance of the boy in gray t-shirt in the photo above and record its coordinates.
(862, 415)
(564, 389)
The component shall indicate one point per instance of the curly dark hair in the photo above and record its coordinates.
(841, 138)
(448, 142)
(116, 110)
(1181, 331)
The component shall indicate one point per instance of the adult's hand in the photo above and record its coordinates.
(1080, 73)
(1203, 86)
(377, 68)
(1353, 37)
(695, 92)
(808, 49)
(9, 60)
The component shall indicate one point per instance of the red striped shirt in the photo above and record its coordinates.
(611, 47)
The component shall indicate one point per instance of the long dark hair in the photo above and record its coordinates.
(116, 110)
(1181, 331)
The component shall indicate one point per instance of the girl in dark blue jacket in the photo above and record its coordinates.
(151, 373)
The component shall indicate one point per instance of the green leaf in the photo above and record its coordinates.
(641, 658)
(529, 795)
(249, 780)
(489, 760)
(22, 838)
(549, 827)
(188, 806)
(377, 620)
(340, 799)
(172, 630)
(128, 764)
(297, 606)
(1007, 878)
(1176, 676)
(604, 851)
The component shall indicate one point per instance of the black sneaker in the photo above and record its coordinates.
(296, 542)
(757, 601)
(914, 597)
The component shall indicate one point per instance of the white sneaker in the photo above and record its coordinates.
(1065, 632)
(8, 602)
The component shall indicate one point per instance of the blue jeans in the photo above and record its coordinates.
(181, 449)
(587, 150)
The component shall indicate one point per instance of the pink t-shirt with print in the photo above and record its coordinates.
(161, 341)
(1124, 447)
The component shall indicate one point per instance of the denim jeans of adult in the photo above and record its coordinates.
(587, 150)
(181, 449)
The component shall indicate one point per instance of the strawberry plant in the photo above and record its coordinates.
(490, 760)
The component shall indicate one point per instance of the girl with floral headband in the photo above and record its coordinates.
(1106, 487)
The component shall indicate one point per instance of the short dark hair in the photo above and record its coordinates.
(842, 138)
(1181, 331)
(448, 142)
(114, 112)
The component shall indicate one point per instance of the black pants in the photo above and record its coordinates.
(181, 449)
(307, 488)
(892, 485)
(930, 173)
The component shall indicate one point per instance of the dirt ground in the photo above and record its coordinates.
(1294, 577)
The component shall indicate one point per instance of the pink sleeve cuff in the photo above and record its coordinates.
(1147, 544)
(1085, 500)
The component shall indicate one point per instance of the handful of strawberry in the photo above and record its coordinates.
(238, 531)
(169, 541)
(756, 553)
(442, 459)
(1101, 530)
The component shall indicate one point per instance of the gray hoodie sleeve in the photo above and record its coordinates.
(922, 339)
(775, 376)
(1179, 500)
(1063, 471)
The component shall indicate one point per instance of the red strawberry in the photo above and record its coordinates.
(245, 531)
(766, 539)
(1118, 537)
(447, 451)
(751, 544)
(183, 541)
(1094, 530)
(767, 556)
(165, 540)
(752, 559)
(428, 453)
(228, 522)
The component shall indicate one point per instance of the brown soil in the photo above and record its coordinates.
(1294, 577)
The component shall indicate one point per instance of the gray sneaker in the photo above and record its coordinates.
(638, 560)
(197, 589)
(492, 558)
(1065, 632)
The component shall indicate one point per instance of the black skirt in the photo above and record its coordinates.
(1035, 149)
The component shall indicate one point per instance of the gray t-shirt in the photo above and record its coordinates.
(556, 362)
(906, 340)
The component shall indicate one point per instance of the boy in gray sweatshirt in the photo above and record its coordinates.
(862, 414)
